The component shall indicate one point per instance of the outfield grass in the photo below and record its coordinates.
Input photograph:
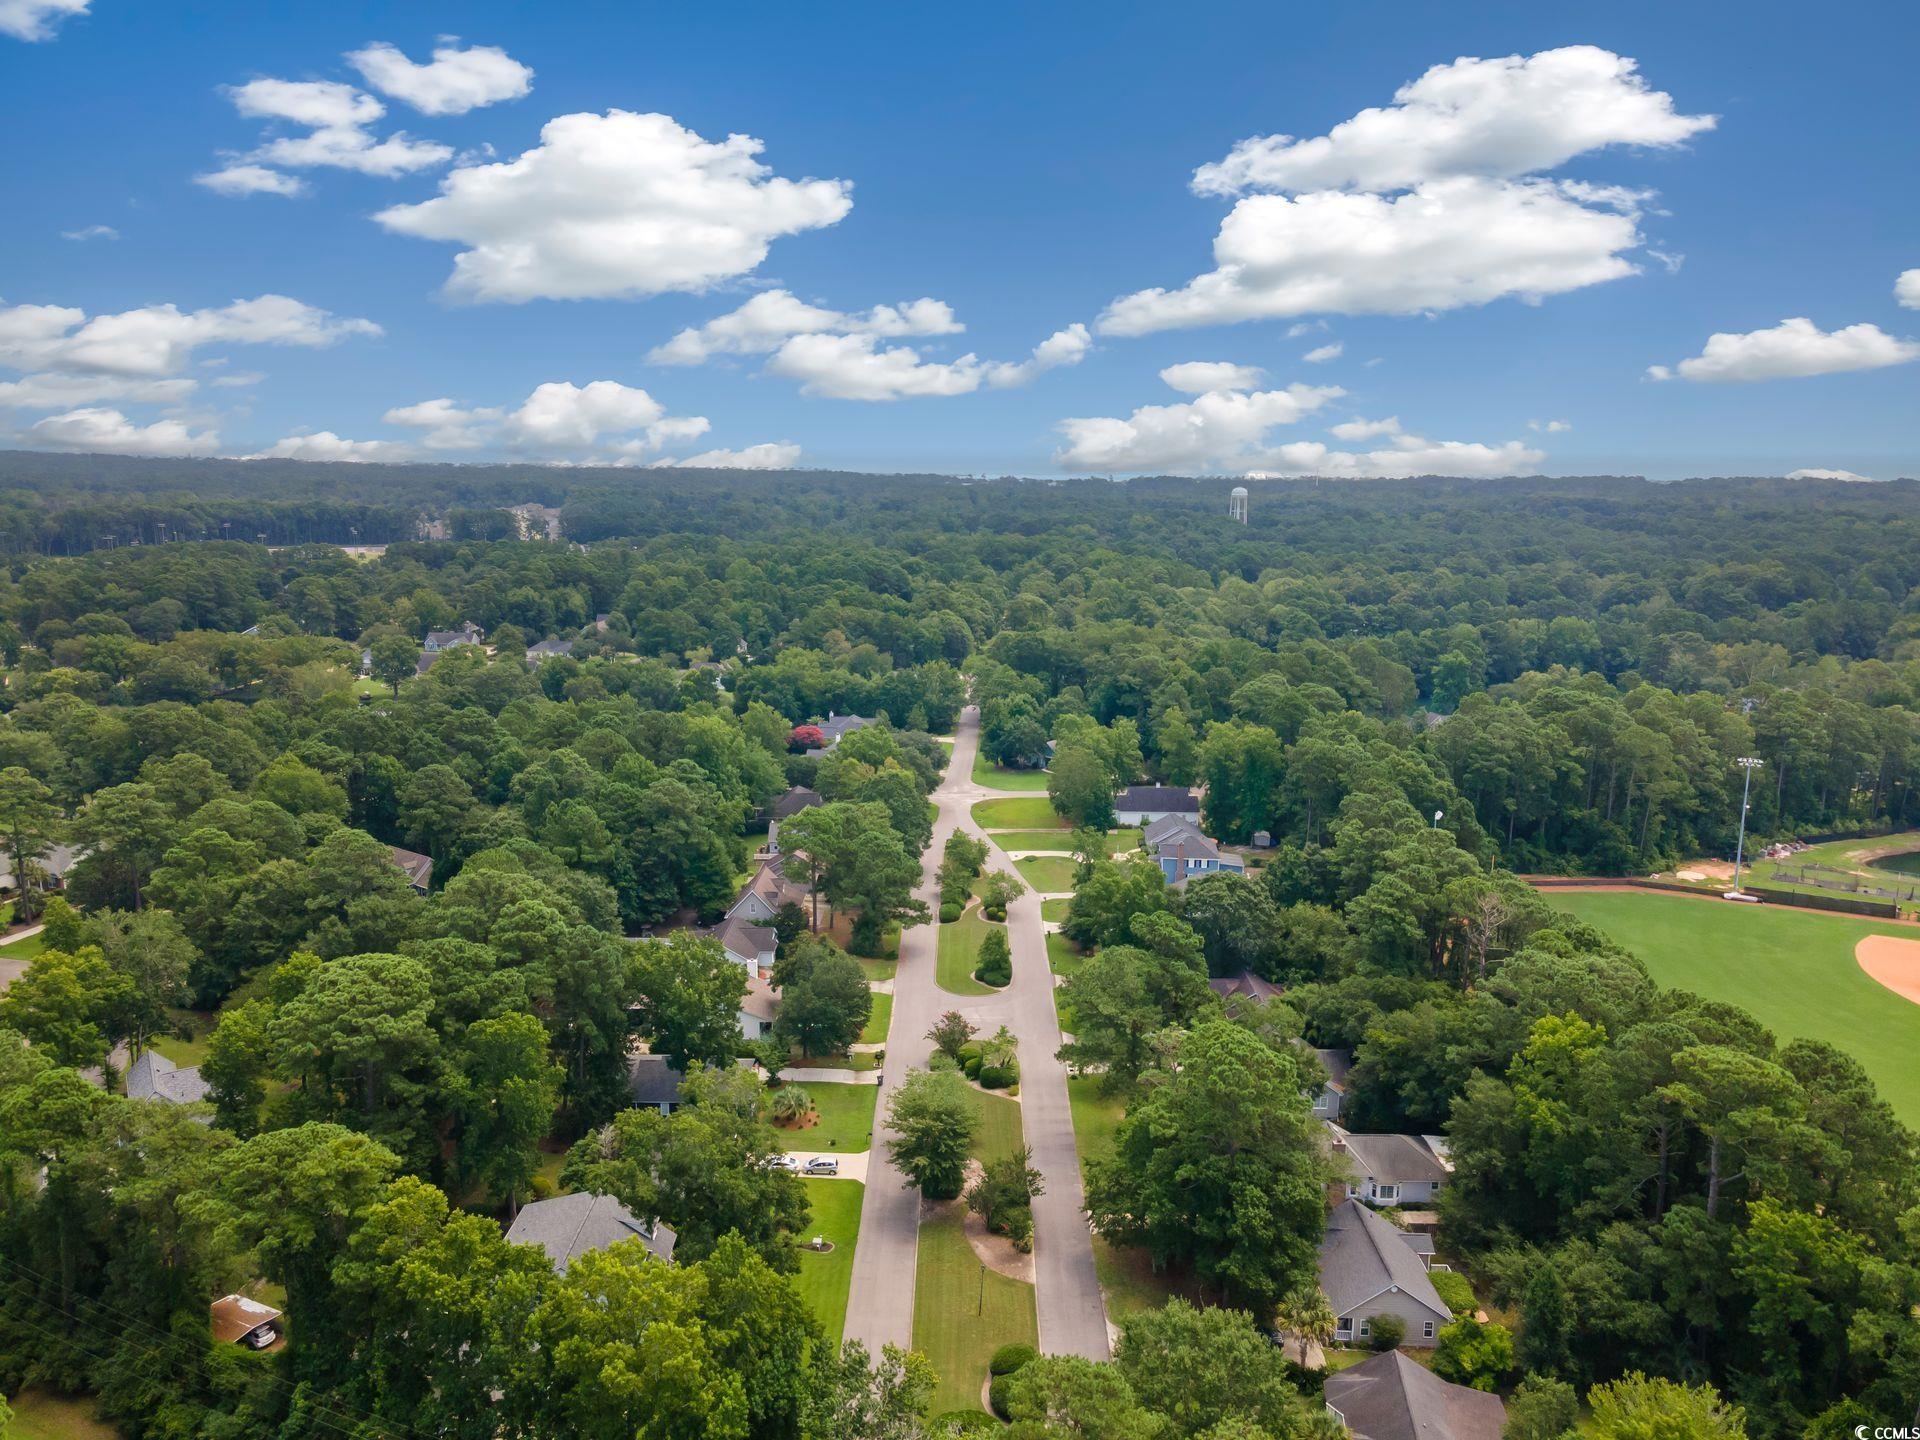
(1063, 955)
(1794, 972)
(823, 1280)
(999, 1133)
(846, 1117)
(959, 945)
(996, 777)
(1023, 812)
(877, 1023)
(1048, 875)
(963, 1312)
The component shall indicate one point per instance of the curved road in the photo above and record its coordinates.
(1072, 1316)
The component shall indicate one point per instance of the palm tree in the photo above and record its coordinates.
(791, 1105)
(999, 1050)
(1304, 1311)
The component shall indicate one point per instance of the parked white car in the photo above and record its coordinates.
(821, 1165)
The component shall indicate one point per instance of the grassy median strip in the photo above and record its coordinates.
(959, 947)
(962, 1311)
(1021, 812)
(824, 1279)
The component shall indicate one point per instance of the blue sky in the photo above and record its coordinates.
(1025, 168)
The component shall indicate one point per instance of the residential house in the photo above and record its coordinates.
(1393, 1169)
(1182, 852)
(416, 867)
(836, 728)
(1233, 989)
(154, 1077)
(568, 1226)
(748, 945)
(548, 649)
(1144, 804)
(438, 640)
(785, 808)
(653, 1084)
(1393, 1398)
(759, 1008)
(1367, 1268)
(1333, 1095)
(762, 896)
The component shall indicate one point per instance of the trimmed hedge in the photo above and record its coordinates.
(997, 1394)
(995, 913)
(950, 911)
(998, 1077)
(1009, 1358)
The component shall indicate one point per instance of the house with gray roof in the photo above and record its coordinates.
(568, 1226)
(1333, 1095)
(548, 650)
(1393, 1169)
(1393, 1398)
(836, 728)
(759, 1008)
(1367, 1268)
(785, 808)
(438, 640)
(1183, 853)
(154, 1077)
(653, 1084)
(1144, 804)
(761, 897)
(752, 947)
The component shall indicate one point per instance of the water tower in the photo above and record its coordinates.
(1237, 504)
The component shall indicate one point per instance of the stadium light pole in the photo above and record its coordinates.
(1748, 763)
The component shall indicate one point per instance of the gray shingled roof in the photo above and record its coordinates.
(1244, 986)
(743, 937)
(652, 1081)
(1165, 826)
(1337, 1063)
(1158, 797)
(1392, 1159)
(1393, 1398)
(1189, 845)
(154, 1077)
(1363, 1255)
(794, 801)
(569, 1226)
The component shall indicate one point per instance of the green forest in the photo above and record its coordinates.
(218, 723)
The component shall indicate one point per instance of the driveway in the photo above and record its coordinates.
(853, 1163)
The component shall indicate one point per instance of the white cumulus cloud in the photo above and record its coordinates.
(1829, 475)
(1365, 429)
(601, 422)
(1220, 429)
(1456, 242)
(771, 456)
(61, 392)
(91, 232)
(1320, 354)
(1433, 203)
(325, 445)
(158, 340)
(858, 367)
(1501, 118)
(94, 430)
(1407, 457)
(1792, 348)
(1197, 377)
(763, 323)
(336, 123)
(452, 83)
(36, 19)
(1906, 289)
(619, 205)
(1549, 427)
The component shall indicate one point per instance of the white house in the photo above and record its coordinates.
(1393, 1169)
(1143, 804)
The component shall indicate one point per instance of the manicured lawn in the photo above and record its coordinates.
(1062, 954)
(1795, 973)
(1096, 1117)
(877, 969)
(959, 945)
(1131, 1284)
(24, 949)
(1015, 842)
(1024, 812)
(846, 1118)
(38, 1415)
(823, 1279)
(858, 1060)
(876, 1031)
(996, 777)
(963, 1312)
(1000, 1132)
(1054, 910)
(1049, 874)
(200, 1024)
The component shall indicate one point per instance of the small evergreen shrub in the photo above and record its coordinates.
(1009, 1358)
